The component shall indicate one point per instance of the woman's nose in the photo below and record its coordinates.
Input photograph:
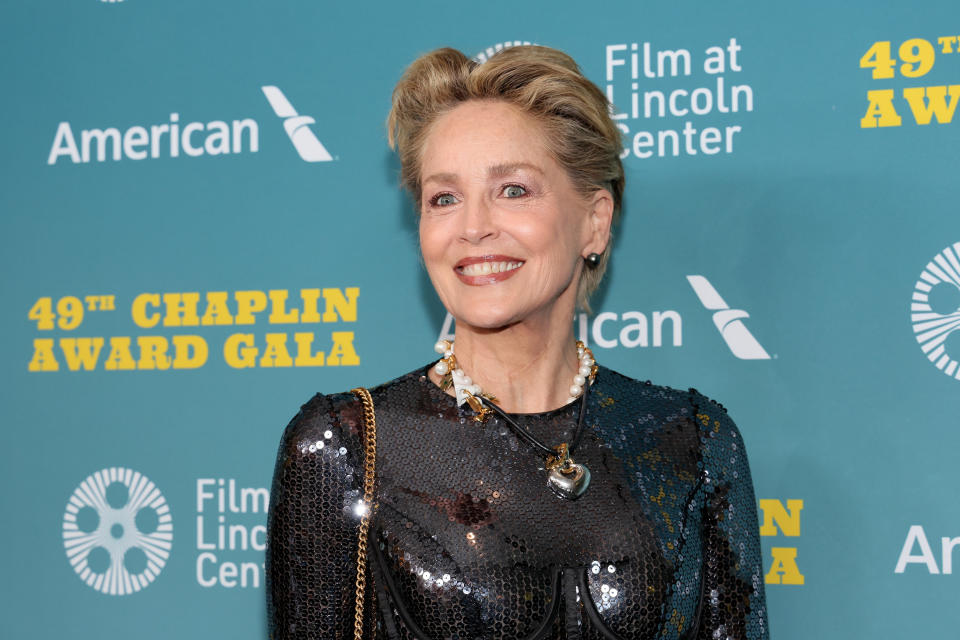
(478, 221)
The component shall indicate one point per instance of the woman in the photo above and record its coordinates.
(521, 490)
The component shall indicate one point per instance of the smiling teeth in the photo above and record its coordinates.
(486, 268)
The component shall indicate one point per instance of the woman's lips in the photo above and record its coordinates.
(487, 269)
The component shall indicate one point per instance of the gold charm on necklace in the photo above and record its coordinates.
(477, 405)
(561, 457)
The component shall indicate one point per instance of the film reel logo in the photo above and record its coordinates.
(117, 531)
(935, 311)
(486, 54)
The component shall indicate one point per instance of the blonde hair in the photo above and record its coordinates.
(544, 83)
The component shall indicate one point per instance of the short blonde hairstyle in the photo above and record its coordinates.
(544, 83)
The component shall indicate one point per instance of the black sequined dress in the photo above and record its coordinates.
(467, 541)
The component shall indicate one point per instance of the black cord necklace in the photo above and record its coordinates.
(567, 479)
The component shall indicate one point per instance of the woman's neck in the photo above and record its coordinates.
(528, 366)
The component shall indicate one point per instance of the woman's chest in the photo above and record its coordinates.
(470, 541)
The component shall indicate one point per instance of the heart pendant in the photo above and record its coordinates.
(569, 482)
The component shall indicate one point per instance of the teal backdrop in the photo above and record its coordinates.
(180, 177)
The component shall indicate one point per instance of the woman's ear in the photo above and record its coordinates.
(601, 218)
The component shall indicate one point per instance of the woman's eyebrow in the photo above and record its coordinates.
(441, 177)
(494, 171)
(504, 170)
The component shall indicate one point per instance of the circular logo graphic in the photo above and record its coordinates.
(117, 531)
(485, 55)
(935, 311)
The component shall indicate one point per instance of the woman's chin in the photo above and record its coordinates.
(486, 320)
(492, 315)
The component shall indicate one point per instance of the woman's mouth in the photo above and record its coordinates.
(487, 269)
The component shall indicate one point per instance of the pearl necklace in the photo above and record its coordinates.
(566, 478)
(465, 387)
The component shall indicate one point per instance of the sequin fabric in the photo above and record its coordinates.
(467, 541)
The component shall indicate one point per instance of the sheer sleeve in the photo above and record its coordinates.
(312, 523)
(733, 604)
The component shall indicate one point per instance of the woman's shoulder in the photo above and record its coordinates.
(664, 400)
(327, 417)
(647, 388)
(719, 443)
(323, 421)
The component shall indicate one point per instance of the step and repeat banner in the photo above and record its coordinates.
(202, 227)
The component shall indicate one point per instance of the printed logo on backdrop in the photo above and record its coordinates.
(231, 533)
(659, 118)
(914, 58)
(485, 55)
(935, 310)
(631, 329)
(117, 531)
(191, 314)
(729, 322)
(916, 549)
(777, 520)
(175, 138)
(297, 127)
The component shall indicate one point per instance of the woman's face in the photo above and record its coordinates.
(502, 230)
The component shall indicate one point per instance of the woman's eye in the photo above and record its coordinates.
(514, 191)
(442, 200)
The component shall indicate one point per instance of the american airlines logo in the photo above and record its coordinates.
(177, 137)
(297, 127)
(729, 322)
(664, 328)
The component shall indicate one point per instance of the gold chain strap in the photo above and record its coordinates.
(370, 454)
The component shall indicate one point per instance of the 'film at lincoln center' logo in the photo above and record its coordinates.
(117, 531)
(935, 310)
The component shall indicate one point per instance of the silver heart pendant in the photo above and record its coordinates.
(570, 482)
